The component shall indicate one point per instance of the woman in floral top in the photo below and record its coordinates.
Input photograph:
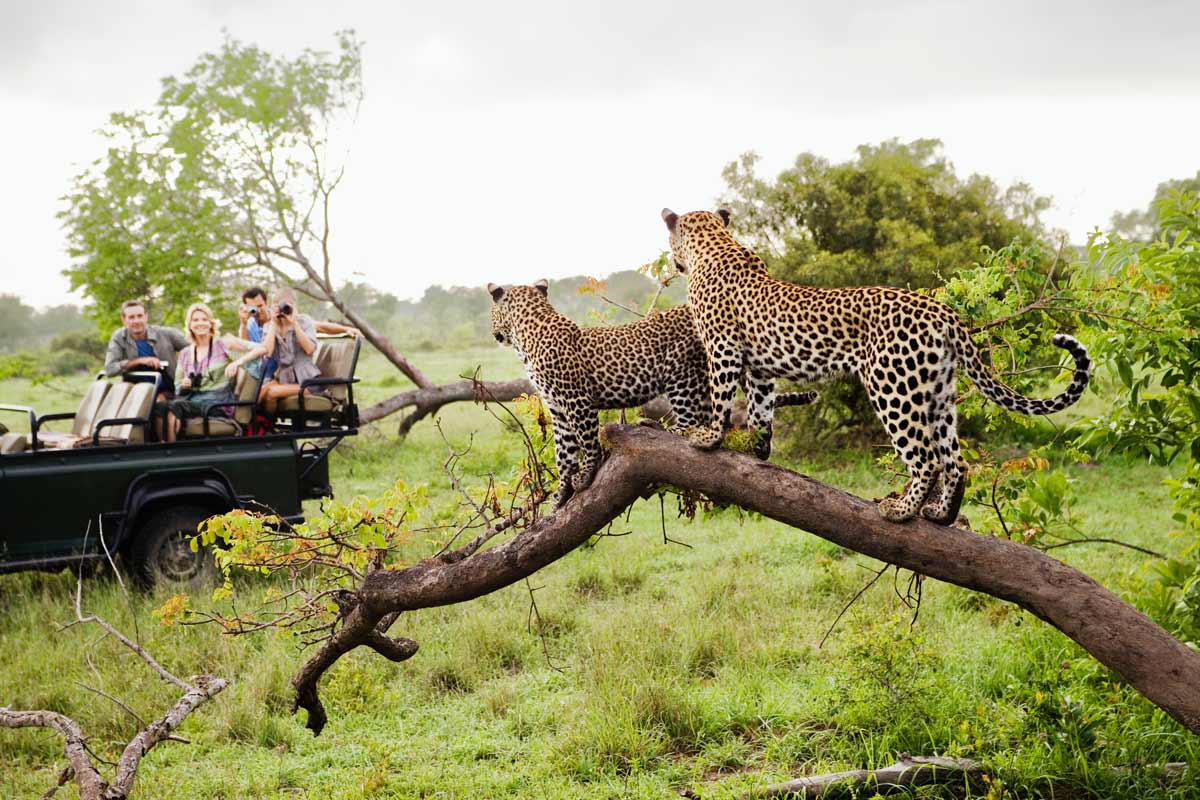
(205, 374)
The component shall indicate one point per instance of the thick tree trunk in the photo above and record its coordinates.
(1163, 669)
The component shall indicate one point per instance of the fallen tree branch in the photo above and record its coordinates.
(428, 400)
(898, 778)
(80, 765)
(1146, 657)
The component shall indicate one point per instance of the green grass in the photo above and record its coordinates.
(668, 666)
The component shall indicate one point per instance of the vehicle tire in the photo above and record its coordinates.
(162, 553)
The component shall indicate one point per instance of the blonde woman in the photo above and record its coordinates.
(205, 374)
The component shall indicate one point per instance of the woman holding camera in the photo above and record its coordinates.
(206, 372)
(291, 338)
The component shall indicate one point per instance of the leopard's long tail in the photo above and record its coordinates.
(985, 377)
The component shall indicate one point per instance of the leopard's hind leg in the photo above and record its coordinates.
(903, 408)
(943, 505)
(760, 408)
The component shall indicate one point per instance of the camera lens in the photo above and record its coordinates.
(285, 309)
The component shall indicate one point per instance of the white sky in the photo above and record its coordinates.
(512, 141)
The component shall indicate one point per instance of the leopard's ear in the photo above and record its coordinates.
(671, 218)
(724, 214)
(543, 286)
(495, 291)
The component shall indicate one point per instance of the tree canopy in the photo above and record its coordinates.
(226, 178)
(1144, 224)
(895, 214)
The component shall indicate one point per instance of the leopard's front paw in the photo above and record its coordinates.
(562, 495)
(894, 509)
(648, 422)
(704, 438)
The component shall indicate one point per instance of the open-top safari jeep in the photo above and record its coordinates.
(102, 488)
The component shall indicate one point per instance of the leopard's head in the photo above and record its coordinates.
(510, 306)
(690, 230)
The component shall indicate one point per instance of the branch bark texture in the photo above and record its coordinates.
(1163, 669)
(898, 778)
(426, 400)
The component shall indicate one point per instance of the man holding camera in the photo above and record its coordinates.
(253, 316)
(138, 346)
(255, 313)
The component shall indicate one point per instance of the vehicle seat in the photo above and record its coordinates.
(13, 443)
(138, 403)
(83, 421)
(336, 358)
(245, 391)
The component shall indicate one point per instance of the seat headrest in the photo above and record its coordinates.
(85, 417)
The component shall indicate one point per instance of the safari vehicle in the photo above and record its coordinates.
(104, 489)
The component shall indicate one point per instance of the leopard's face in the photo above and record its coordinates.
(684, 229)
(508, 306)
(501, 327)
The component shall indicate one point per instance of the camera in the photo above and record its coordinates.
(249, 310)
(285, 309)
(196, 379)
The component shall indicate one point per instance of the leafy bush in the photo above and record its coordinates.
(21, 365)
(70, 362)
(1157, 364)
(86, 342)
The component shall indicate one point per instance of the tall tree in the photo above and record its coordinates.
(230, 176)
(896, 214)
(16, 321)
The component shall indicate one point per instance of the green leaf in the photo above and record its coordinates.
(1125, 371)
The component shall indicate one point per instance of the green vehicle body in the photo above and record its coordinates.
(63, 507)
(143, 501)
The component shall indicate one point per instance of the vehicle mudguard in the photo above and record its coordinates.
(153, 490)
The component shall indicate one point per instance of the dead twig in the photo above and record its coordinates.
(852, 601)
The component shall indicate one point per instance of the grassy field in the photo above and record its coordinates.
(662, 666)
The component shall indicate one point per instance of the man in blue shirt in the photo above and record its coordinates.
(255, 316)
(138, 346)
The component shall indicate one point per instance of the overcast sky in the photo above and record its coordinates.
(490, 130)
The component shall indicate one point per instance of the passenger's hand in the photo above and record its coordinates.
(145, 361)
(185, 384)
(243, 313)
(231, 370)
(354, 332)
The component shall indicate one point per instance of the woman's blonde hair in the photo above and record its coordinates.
(187, 321)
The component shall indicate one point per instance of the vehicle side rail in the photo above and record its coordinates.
(34, 440)
(19, 409)
(143, 422)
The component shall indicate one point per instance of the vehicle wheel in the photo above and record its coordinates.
(162, 553)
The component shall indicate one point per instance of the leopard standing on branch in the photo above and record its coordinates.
(903, 346)
(580, 371)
